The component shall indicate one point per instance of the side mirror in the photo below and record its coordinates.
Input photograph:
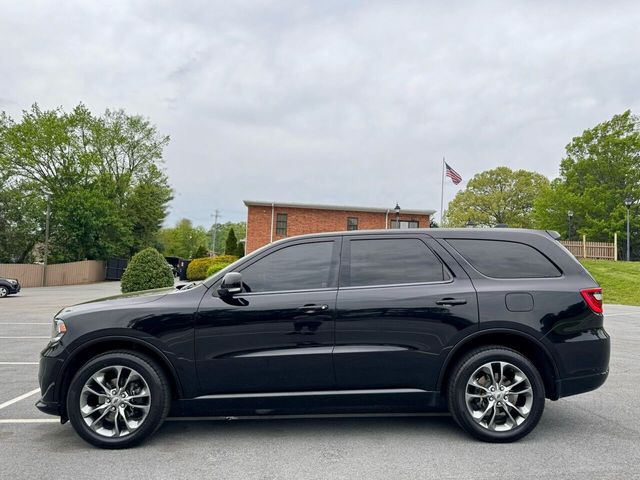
(231, 284)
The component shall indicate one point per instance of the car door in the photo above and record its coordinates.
(278, 334)
(399, 307)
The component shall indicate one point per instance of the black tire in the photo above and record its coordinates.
(457, 388)
(160, 398)
(4, 291)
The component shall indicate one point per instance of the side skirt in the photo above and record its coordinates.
(398, 400)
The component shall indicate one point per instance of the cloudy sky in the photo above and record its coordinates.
(330, 101)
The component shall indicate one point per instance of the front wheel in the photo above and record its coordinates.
(4, 291)
(118, 399)
(496, 394)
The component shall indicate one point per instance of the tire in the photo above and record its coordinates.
(470, 394)
(4, 291)
(118, 422)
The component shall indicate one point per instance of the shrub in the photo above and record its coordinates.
(198, 268)
(147, 269)
(216, 267)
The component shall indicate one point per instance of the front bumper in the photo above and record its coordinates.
(49, 374)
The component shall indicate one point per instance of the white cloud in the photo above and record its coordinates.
(343, 102)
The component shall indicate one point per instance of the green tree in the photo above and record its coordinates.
(240, 230)
(240, 250)
(183, 240)
(601, 168)
(108, 193)
(231, 244)
(497, 196)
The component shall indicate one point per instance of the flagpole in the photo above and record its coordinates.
(442, 195)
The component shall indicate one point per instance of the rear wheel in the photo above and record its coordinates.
(496, 394)
(4, 291)
(118, 399)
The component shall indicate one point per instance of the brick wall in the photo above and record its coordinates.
(307, 220)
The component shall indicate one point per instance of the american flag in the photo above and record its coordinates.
(452, 174)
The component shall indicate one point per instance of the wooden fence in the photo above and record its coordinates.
(601, 250)
(74, 273)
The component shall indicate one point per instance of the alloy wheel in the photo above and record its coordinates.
(499, 396)
(115, 401)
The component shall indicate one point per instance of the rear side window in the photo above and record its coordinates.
(393, 262)
(501, 259)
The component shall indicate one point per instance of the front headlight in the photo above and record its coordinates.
(59, 329)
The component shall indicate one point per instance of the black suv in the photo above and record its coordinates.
(9, 286)
(485, 322)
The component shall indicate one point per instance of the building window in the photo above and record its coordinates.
(281, 224)
(405, 224)
(352, 223)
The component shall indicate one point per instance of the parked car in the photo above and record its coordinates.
(487, 323)
(9, 286)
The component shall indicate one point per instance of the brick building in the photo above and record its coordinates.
(269, 221)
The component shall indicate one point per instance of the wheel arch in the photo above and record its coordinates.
(521, 342)
(105, 344)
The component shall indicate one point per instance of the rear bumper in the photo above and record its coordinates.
(576, 385)
(583, 362)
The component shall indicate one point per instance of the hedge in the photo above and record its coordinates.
(147, 269)
(198, 268)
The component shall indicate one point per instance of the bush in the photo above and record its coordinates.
(147, 269)
(198, 268)
(216, 267)
(200, 252)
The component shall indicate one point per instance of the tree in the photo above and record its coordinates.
(497, 196)
(183, 240)
(231, 244)
(240, 250)
(108, 193)
(240, 230)
(201, 252)
(601, 168)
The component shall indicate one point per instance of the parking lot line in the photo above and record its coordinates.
(17, 399)
(12, 421)
(25, 323)
(25, 337)
(18, 363)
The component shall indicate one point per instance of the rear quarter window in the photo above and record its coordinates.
(505, 259)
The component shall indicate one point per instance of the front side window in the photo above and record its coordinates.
(503, 259)
(298, 267)
(352, 223)
(392, 262)
(281, 224)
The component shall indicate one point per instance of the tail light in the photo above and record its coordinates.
(593, 297)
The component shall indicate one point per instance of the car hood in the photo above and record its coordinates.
(116, 301)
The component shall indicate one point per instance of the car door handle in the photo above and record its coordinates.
(451, 301)
(313, 308)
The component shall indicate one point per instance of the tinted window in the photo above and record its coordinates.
(393, 261)
(296, 267)
(501, 259)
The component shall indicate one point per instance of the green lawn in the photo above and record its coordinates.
(620, 281)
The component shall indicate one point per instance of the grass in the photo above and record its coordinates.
(620, 281)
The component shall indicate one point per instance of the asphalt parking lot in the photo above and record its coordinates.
(595, 435)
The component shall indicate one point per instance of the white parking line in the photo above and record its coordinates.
(25, 323)
(619, 314)
(24, 337)
(17, 399)
(18, 363)
(29, 420)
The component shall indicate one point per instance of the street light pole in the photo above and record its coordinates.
(628, 202)
(397, 210)
(570, 216)
(46, 241)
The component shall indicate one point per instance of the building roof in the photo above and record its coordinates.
(349, 208)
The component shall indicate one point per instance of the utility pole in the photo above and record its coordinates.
(216, 214)
(46, 241)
